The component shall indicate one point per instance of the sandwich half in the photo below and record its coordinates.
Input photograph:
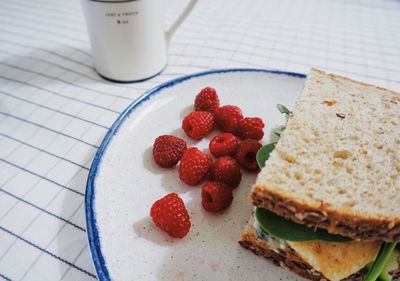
(335, 170)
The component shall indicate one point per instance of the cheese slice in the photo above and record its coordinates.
(336, 261)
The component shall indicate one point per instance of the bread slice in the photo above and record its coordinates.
(293, 259)
(337, 164)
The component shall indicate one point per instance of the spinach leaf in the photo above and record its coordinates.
(287, 230)
(283, 109)
(263, 154)
(278, 132)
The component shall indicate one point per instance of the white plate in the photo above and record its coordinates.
(124, 182)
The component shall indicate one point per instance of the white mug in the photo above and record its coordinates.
(127, 37)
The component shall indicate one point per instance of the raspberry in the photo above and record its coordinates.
(227, 118)
(168, 150)
(169, 213)
(251, 128)
(216, 196)
(223, 144)
(246, 154)
(194, 166)
(198, 124)
(206, 100)
(226, 170)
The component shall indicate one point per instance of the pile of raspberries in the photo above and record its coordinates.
(233, 149)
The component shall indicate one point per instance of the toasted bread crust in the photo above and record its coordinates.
(287, 259)
(335, 77)
(346, 224)
(290, 260)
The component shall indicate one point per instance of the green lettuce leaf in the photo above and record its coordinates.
(263, 154)
(287, 230)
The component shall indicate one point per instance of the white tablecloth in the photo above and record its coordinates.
(55, 110)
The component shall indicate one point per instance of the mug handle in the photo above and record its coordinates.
(189, 7)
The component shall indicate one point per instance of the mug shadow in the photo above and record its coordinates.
(70, 65)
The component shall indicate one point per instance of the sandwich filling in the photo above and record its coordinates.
(274, 242)
(335, 260)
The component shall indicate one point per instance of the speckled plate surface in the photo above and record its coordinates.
(124, 182)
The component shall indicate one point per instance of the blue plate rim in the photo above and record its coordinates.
(91, 222)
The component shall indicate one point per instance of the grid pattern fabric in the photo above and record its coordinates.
(55, 109)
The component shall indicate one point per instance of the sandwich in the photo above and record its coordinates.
(327, 200)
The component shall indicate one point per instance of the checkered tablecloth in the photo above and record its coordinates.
(55, 110)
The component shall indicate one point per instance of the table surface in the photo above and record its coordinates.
(55, 110)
